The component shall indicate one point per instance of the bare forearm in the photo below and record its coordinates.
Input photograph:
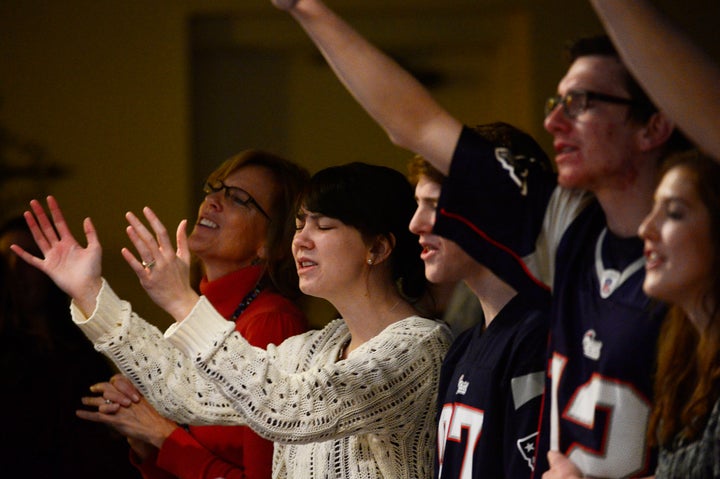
(87, 299)
(663, 58)
(393, 97)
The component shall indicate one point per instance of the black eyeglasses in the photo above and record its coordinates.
(234, 194)
(575, 102)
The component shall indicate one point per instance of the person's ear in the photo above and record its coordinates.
(261, 254)
(381, 249)
(656, 132)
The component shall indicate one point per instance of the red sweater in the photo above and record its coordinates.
(230, 452)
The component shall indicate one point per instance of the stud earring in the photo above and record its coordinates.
(370, 261)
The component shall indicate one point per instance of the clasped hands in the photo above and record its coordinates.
(121, 406)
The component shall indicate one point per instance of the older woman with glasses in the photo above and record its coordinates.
(242, 239)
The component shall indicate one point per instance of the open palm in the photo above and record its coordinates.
(75, 269)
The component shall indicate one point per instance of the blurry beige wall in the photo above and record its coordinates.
(106, 89)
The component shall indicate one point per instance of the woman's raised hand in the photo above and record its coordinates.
(75, 269)
(163, 271)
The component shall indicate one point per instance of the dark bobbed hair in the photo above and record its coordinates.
(290, 181)
(643, 108)
(377, 201)
(687, 382)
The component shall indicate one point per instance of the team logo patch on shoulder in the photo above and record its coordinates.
(591, 346)
(517, 166)
(462, 385)
(526, 446)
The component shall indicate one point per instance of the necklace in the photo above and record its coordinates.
(246, 302)
(611, 279)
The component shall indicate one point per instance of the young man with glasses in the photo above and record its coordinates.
(580, 228)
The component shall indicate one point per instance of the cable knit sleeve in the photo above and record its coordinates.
(166, 377)
(299, 393)
(294, 393)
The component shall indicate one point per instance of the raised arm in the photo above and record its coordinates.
(75, 269)
(393, 98)
(681, 78)
(163, 271)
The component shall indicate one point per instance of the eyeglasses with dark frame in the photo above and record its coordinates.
(575, 102)
(234, 194)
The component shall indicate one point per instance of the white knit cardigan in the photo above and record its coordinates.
(369, 416)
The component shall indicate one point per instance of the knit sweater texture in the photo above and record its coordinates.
(371, 415)
(699, 459)
(230, 452)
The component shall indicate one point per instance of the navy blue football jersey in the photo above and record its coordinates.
(603, 353)
(490, 396)
(603, 328)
